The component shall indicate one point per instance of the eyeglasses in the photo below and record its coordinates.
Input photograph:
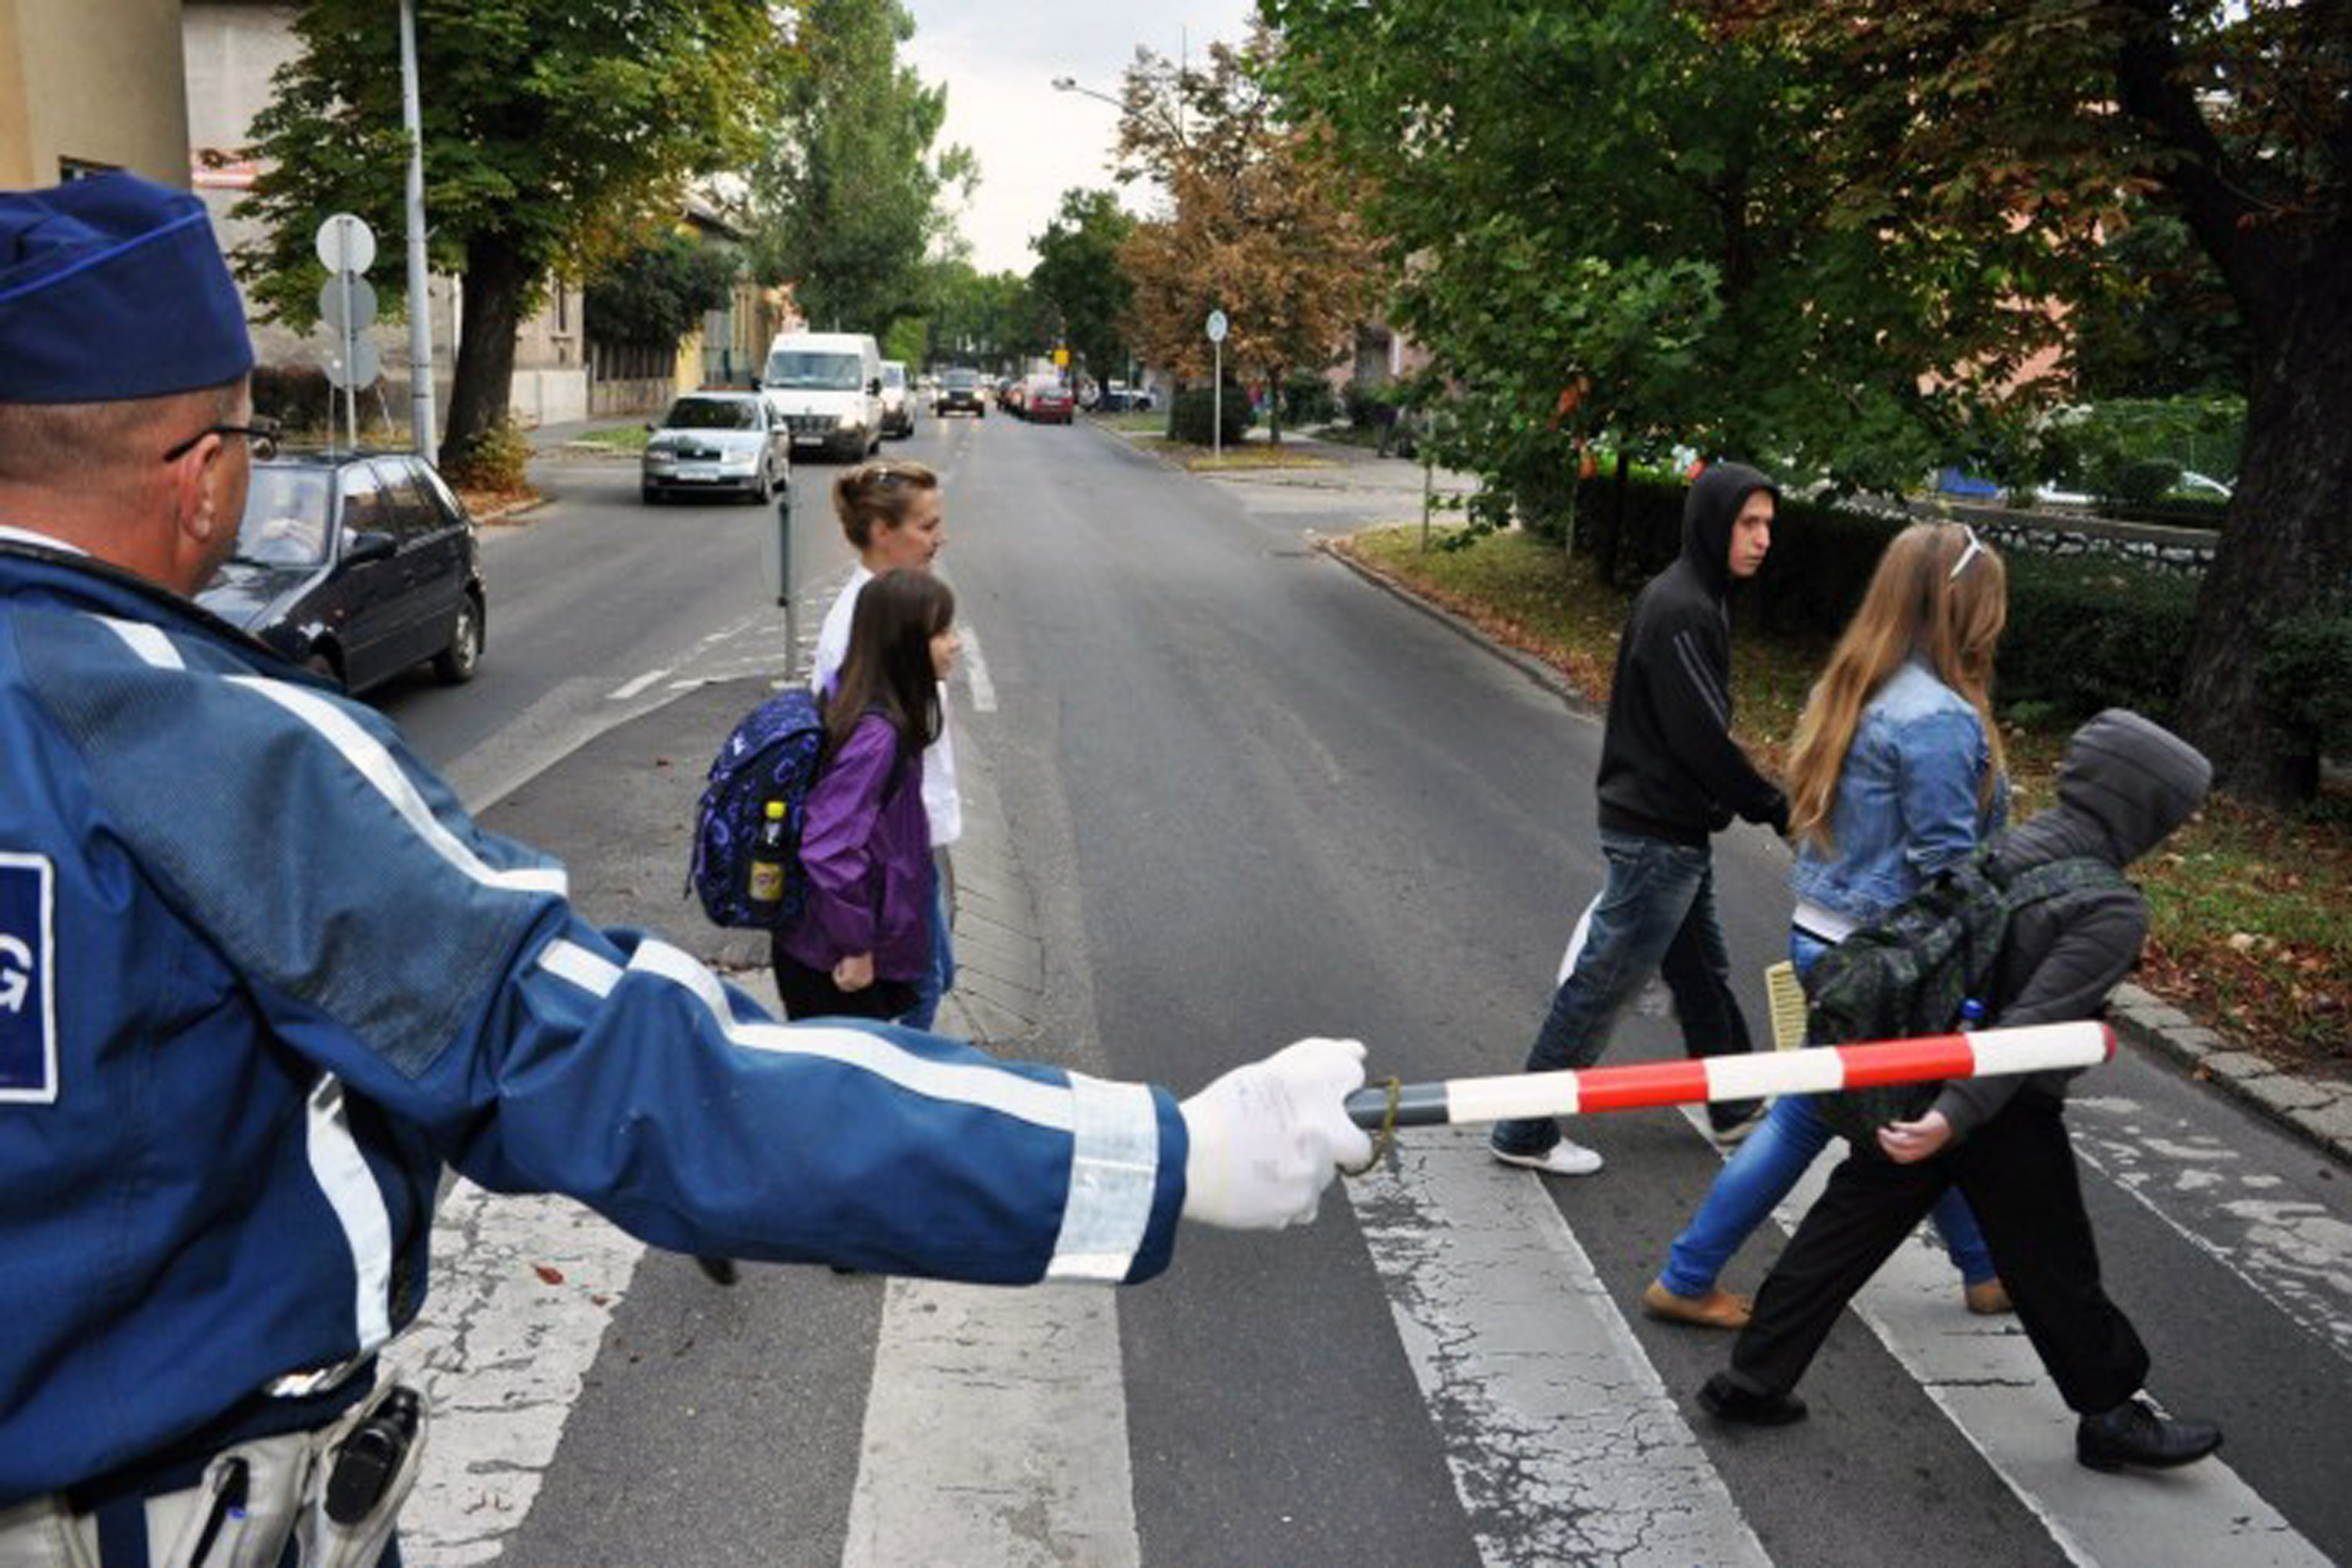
(1976, 548)
(262, 433)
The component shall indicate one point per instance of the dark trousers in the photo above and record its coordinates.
(2018, 1174)
(811, 993)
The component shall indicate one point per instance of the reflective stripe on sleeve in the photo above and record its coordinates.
(1113, 1127)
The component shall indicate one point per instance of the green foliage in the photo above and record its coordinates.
(1193, 416)
(2092, 446)
(848, 195)
(2086, 634)
(908, 341)
(1080, 280)
(2307, 671)
(564, 128)
(2159, 320)
(296, 396)
(985, 320)
(660, 291)
(492, 459)
(1307, 400)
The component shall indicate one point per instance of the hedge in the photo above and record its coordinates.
(2084, 633)
(1193, 415)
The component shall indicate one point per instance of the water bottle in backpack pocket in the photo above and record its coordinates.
(746, 829)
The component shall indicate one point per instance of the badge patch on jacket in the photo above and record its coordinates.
(28, 1023)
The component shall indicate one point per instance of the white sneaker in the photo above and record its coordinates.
(1562, 1159)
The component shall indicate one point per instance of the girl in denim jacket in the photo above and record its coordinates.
(1896, 774)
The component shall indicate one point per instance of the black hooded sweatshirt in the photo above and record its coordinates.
(2123, 786)
(1669, 767)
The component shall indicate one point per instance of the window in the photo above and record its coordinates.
(363, 503)
(410, 510)
(72, 169)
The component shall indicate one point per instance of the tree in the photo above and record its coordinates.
(979, 319)
(1609, 230)
(1079, 275)
(557, 133)
(848, 194)
(660, 291)
(2026, 117)
(1260, 221)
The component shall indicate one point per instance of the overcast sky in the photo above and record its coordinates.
(998, 62)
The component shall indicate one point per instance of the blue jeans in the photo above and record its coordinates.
(1767, 1166)
(1656, 916)
(939, 978)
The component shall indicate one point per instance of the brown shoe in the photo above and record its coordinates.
(1718, 1309)
(1990, 1300)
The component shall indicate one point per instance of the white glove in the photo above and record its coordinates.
(1267, 1138)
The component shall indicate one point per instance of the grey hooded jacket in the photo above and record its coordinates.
(2123, 785)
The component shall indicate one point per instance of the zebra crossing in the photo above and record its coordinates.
(996, 1422)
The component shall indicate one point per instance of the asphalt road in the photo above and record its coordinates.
(1250, 797)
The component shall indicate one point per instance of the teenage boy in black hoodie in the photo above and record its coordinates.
(2123, 786)
(1671, 776)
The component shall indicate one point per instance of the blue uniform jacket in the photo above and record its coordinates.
(261, 976)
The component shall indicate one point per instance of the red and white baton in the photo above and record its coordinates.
(1822, 1070)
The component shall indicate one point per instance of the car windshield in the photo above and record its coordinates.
(963, 380)
(803, 370)
(712, 414)
(285, 521)
(894, 375)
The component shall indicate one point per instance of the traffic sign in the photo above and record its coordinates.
(1216, 326)
(364, 363)
(332, 295)
(346, 244)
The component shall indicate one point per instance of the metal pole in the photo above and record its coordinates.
(1217, 405)
(351, 347)
(421, 421)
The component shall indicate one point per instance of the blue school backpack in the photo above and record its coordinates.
(773, 754)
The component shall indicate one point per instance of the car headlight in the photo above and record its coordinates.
(739, 462)
(659, 457)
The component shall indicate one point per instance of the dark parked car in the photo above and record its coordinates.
(1045, 400)
(717, 443)
(357, 565)
(959, 393)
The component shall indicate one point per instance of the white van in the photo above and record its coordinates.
(828, 389)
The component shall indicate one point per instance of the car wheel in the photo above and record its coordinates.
(458, 663)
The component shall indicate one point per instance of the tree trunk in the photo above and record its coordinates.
(495, 276)
(2288, 540)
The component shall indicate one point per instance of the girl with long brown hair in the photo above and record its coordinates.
(1896, 772)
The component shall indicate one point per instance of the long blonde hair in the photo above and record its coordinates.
(1939, 592)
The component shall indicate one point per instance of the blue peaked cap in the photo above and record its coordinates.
(113, 289)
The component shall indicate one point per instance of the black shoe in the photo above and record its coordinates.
(721, 1270)
(2132, 1434)
(1728, 1397)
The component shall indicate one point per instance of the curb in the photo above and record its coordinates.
(2314, 1110)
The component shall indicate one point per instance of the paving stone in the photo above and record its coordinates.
(2196, 1041)
(2281, 1091)
(2244, 1066)
(2331, 1123)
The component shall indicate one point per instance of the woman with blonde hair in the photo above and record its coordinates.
(1896, 772)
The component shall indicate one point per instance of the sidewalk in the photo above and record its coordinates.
(2315, 1108)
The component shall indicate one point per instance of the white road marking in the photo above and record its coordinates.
(1565, 1445)
(1983, 1373)
(639, 684)
(995, 1431)
(983, 690)
(501, 1354)
(2290, 1252)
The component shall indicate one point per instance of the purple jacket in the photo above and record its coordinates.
(868, 858)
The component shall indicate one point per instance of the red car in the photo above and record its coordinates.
(1045, 400)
